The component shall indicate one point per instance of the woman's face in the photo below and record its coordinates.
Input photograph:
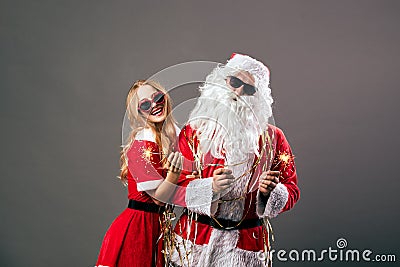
(153, 108)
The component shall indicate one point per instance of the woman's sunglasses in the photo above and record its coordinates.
(247, 88)
(157, 98)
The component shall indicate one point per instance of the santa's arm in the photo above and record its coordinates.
(195, 194)
(286, 193)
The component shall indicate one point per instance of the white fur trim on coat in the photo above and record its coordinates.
(199, 196)
(221, 251)
(276, 201)
(149, 185)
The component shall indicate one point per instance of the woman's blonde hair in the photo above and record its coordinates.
(165, 134)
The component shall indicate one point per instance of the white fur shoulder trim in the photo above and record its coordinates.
(146, 134)
(177, 130)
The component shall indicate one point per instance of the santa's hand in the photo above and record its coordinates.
(174, 162)
(268, 181)
(194, 175)
(222, 179)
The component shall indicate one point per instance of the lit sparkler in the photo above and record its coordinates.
(147, 154)
(284, 158)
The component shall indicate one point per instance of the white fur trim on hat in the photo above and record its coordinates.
(276, 201)
(253, 66)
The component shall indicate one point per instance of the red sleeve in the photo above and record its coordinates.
(144, 163)
(187, 143)
(284, 162)
(187, 146)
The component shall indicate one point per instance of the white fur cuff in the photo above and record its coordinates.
(148, 185)
(199, 196)
(276, 201)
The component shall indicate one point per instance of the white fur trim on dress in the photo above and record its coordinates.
(146, 134)
(199, 196)
(177, 130)
(148, 185)
(276, 201)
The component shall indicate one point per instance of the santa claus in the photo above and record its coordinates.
(246, 172)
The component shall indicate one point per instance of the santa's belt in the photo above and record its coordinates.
(223, 224)
(144, 206)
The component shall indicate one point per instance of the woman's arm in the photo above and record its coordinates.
(167, 188)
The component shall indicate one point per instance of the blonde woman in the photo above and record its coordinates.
(150, 168)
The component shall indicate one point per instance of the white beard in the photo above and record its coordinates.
(229, 127)
(226, 127)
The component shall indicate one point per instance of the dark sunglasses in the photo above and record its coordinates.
(157, 98)
(247, 88)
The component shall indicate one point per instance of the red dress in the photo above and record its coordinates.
(132, 238)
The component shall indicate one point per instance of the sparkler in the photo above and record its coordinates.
(284, 158)
(147, 154)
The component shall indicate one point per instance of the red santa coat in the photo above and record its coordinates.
(199, 244)
(131, 240)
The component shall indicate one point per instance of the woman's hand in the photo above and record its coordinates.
(268, 181)
(174, 162)
(165, 190)
(174, 166)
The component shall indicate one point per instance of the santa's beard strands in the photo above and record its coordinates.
(228, 125)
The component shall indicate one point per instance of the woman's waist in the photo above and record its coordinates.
(145, 206)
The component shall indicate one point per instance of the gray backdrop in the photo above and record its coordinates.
(66, 68)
